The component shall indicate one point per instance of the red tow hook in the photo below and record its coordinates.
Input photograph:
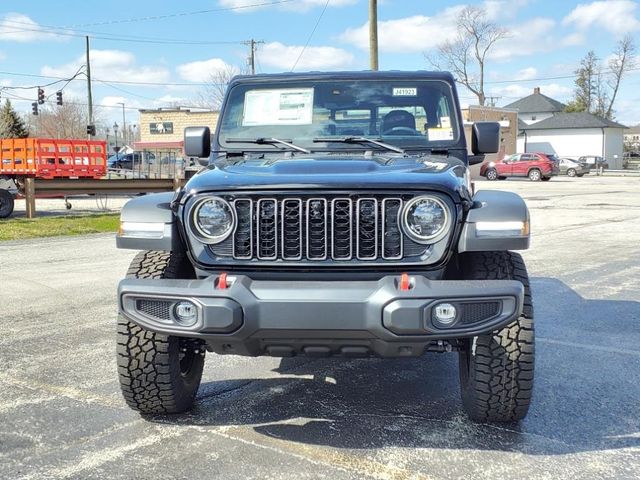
(222, 281)
(404, 282)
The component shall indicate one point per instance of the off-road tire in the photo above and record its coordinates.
(6, 203)
(496, 370)
(158, 373)
(534, 175)
(491, 174)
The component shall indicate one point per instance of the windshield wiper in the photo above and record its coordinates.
(269, 141)
(373, 141)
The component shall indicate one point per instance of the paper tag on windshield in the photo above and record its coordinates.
(287, 106)
(405, 92)
(439, 134)
(445, 122)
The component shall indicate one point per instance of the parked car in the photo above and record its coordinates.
(329, 244)
(129, 161)
(536, 166)
(594, 161)
(573, 168)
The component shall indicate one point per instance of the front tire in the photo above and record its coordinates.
(158, 373)
(496, 370)
(491, 174)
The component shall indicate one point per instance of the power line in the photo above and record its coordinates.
(123, 82)
(310, 35)
(179, 14)
(128, 38)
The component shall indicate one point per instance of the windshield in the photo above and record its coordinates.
(318, 115)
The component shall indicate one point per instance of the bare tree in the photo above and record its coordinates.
(466, 55)
(213, 93)
(65, 121)
(624, 59)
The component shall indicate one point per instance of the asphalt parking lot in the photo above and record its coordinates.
(62, 416)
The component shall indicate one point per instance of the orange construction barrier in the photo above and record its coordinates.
(51, 158)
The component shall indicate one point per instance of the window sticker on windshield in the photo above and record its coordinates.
(405, 92)
(439, 134)
(445, 122)
(290, 106)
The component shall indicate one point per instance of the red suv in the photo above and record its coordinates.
(536, 166)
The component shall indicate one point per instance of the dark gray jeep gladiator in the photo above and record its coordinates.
(335, 217)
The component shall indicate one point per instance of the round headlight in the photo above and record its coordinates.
(213, 219)
(425, 219)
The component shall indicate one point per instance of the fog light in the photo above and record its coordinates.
(186, 313)
(445, 314)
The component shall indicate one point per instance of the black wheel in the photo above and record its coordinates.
(6, 203)
(580, 175)
(571, 172)
(496, 370)
(545, 179)
(158, 373)
(502, 178)
(491, 174)
(535, 175)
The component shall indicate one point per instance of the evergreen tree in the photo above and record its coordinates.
(11, 125)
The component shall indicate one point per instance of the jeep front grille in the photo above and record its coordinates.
(317, 228)
(328, 228)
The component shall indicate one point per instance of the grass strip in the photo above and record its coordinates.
(23, 228)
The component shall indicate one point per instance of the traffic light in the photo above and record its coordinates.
(59, 98)
(91, 130)
(40, 96)
(34, 108)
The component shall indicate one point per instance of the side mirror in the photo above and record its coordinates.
(197, 142)
(485, 138)
(475, 159)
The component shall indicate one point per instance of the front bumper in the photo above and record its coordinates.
(358, 318)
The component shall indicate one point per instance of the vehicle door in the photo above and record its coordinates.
(520, 168)
(504, 168)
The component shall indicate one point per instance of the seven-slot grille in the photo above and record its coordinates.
(338, 228)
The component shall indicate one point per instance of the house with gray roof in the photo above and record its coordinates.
(545, 127)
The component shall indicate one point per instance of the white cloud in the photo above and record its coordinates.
(16, 27)
(526, 73)
(533, 36)
(111, 65)
(202, 70)
(420, 32)
(516, 91)
(616, 16)
(410, 34)
(278, 55)
(300, 5)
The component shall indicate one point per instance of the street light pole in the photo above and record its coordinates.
(124, 125)
(115, 134)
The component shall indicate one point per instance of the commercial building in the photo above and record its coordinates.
(545, 127)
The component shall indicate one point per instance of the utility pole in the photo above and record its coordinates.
(252, 54)
(373, 34)
(89, 98)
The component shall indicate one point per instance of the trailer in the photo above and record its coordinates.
(22, 159)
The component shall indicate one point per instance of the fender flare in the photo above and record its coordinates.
(148, 223)
(498, 221)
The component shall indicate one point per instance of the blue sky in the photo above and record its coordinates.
(144, 42)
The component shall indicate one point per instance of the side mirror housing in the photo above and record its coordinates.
(197, 142)
(485, 138)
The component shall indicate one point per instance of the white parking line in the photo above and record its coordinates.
(597, 348)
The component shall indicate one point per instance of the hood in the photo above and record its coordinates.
(332, 172)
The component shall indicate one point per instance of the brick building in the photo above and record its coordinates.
(162, 130)
(508, 120)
